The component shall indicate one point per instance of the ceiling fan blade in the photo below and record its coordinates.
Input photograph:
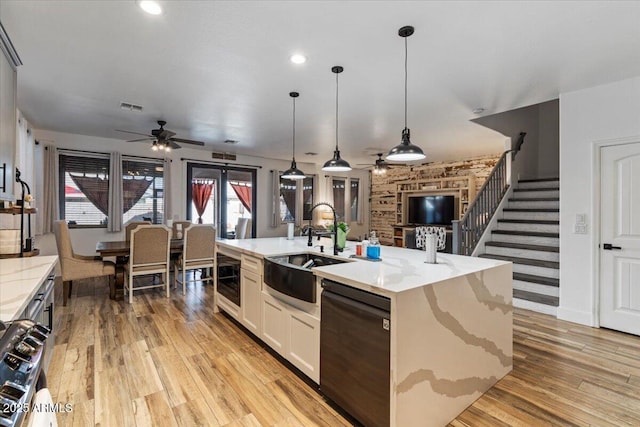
(141, 139)
(135, 133)
(188, 141)
(174, 146)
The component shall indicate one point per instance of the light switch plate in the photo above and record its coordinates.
(580, 229)
(581, 218)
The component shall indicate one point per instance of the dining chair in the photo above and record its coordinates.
(148, 255)
(183, 226)
(77, 267)
(199, 252)
(243, 228)
(132, 226)
(440, 232)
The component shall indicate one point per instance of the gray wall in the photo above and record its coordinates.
(539, 157)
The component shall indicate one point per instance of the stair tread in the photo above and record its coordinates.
(534, 199)
(530, 221)
(538, 189)
(524, 246)
(533, 297)
(549, 281)
(527, 233)
(523, 261)
(531, 210)
(539, 179)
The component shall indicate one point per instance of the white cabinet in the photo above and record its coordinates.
(8, 84)
(274, 324)
(304, 343)
(293, 333)
(250, 289)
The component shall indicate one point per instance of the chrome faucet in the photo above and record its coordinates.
(335, 226)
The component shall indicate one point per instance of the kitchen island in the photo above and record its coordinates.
(450, 322)
(20, 280)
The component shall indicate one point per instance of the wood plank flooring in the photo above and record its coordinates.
(172, 362)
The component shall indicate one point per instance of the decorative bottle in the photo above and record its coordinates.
(373, 249)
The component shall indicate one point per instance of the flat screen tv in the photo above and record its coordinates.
(436, 210)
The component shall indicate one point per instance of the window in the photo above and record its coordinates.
(353, 196)
(339, 197)
(295, 196)
(84, 190)
(142, 191)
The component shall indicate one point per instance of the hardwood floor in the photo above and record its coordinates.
(172, 362)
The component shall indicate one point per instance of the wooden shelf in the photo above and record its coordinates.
(15, 210)
(34, 252)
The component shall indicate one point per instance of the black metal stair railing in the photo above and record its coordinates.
(469, 230)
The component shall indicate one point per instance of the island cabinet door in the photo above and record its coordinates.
(274, 324)
(250, 291)
(304, 343)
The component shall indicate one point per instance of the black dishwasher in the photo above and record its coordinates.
(354, 352)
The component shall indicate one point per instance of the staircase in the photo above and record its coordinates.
(528, 235)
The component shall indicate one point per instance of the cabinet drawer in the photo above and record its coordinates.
(252, 264)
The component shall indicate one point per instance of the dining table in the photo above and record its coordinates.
(121, 249)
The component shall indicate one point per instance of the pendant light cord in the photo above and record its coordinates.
(405, 82)
(336, 111)
(294, 130)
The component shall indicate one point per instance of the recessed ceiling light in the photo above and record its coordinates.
(479, 110)
(150, 6)
(298, 59)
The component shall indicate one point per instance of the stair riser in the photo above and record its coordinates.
(543, 228)
(535, 194)
(523, 253)
(535, 204)
(547, 216)
(552, 273)
(529, 240)
(539, 184)
(534, 306)
(536, 288)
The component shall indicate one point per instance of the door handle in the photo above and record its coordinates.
(609, 246)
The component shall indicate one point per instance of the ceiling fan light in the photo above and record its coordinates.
(150, 6)
(293, 172)
(154, 146)
(405, 151)
(167, 147)
(336, 164)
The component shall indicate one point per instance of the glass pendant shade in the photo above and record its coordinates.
(293, 172)
(336, 164)
(405, 151)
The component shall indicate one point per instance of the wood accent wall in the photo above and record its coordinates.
(384, 187)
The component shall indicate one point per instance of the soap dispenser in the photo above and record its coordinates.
(373, 249)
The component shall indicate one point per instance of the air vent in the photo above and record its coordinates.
(230, 141)
(310, 153)
(223, 156)
(130, 107)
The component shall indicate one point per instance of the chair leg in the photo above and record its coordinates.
(70, 287)
(128, 283)
(66, 291)
(166, 281)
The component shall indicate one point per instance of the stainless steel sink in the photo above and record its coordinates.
(292, 275)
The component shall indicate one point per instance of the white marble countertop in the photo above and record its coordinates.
(20, 279)
(400, 269)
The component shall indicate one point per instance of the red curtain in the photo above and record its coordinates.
(244, 194)
(200, 193)
(132, 191)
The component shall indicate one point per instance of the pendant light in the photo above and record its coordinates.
(336, 164)
(293, 172)
(405, 151)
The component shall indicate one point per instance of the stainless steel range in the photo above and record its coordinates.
(22, 352)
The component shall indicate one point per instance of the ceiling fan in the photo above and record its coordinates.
(162, 139)
(380, 167)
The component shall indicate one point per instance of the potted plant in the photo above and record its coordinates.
(341, 236)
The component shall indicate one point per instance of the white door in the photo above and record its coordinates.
(620, 238)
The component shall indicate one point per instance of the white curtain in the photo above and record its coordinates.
(115, 192)
(360, 218)
(166, 171)
(50, 195)
(275, 199)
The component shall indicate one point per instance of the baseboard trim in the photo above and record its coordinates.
(581, 317)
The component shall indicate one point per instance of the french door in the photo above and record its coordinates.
(221, 195)
(620, 237)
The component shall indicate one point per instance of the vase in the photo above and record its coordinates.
(342, 239)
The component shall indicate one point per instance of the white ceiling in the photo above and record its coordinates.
(220, 70)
